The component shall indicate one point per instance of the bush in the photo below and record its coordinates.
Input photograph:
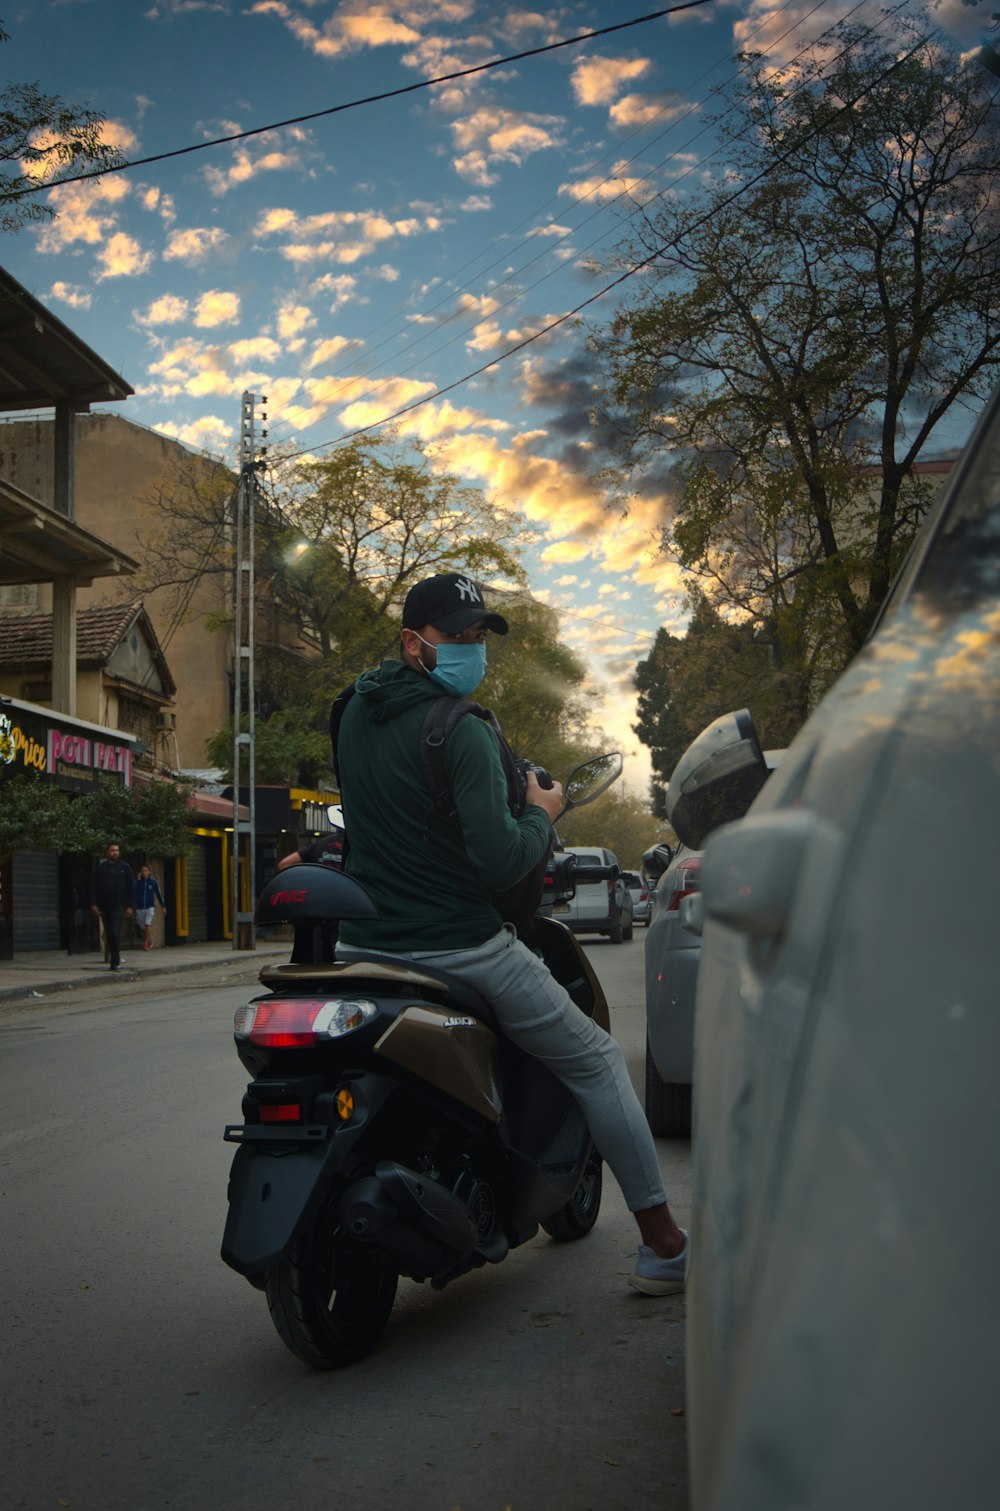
(150, 819)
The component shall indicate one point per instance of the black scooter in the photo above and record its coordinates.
(389, 1128)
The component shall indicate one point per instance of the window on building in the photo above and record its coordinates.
(137, 718)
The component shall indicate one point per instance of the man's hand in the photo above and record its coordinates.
(549, 799)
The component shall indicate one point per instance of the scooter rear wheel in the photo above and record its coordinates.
(578, 1216)
(330, 1299)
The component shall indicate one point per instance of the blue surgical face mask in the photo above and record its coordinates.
(460, 666)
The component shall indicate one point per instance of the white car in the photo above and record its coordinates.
(843, 1305)
(599, 907)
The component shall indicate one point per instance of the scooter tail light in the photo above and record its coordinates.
(281, 1112)
(299, 1022)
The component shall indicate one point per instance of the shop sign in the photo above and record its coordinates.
(73, 757)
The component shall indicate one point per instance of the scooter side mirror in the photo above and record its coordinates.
(592, 780)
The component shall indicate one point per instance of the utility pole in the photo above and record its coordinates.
(244, 934)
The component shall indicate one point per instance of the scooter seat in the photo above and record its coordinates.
(459, 992)
(382, 968)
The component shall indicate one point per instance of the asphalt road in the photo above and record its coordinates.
(139, 1373)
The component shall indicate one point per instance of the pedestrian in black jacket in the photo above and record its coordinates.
(113, 895)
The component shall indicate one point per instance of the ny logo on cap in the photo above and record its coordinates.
(467, 589)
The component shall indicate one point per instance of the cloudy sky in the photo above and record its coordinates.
(352, 264)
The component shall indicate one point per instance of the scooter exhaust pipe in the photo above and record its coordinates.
(421, 1225)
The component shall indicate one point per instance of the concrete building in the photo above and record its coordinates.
(123, 472)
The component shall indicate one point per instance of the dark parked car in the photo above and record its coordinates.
(843, 1306)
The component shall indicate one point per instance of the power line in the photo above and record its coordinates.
(460, 288)
(349, 381)
(372, 99)
(629, 272)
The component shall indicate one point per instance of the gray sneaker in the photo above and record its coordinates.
(659, 1277)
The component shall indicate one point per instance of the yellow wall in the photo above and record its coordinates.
(117, 464)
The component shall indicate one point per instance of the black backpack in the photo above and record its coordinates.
(516, 905)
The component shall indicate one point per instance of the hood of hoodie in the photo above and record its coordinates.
(392, 689)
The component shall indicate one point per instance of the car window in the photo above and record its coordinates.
(967, 508)
(590, 857)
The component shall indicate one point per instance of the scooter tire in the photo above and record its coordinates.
(330, 1299)
(578, 1216)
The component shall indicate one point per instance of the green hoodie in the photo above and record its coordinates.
(431, 885)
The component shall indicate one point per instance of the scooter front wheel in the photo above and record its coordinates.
(578, 1216)
(330, 1299)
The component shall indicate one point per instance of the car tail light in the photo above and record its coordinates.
(299, 1022)
(684, 879)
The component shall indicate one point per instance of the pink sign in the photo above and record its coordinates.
(79, 751)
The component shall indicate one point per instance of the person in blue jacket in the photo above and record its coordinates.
(147, 895)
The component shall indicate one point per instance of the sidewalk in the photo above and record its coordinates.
(42, 973)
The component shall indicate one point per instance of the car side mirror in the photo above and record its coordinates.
(716, 779)
(655, 861)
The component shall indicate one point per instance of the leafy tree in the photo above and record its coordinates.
(688, 680)
(534, 685)
(288, 752)
(616, 821)
(377, 517)
(149, 818)
(39, 136)
(337, 545)
(36, 814)
(816, 314)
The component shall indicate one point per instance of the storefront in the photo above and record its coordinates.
(200, 883)
(284, 819)
(44, 896)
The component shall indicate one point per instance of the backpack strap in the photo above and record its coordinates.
(439, 721)
(340, 703)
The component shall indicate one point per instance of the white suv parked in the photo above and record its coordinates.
(599, 907)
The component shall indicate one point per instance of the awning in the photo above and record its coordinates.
(210, 805)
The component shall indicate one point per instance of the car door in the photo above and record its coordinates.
(846, 1017)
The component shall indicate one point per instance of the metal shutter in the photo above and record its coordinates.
(35, 887)
(197, 880)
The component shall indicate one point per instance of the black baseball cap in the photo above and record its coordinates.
(450, 602)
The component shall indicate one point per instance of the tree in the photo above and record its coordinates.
(616, 822)
(688, 680)
(288, 751)
(534, 685)
(377, 516)
(147, 819)
(338, 543)
(41, 135)
(805, 327)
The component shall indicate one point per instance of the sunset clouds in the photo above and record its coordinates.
(384, 257)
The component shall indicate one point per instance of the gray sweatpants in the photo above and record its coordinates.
(538, 1015)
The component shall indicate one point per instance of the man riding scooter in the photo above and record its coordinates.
(436, 903)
